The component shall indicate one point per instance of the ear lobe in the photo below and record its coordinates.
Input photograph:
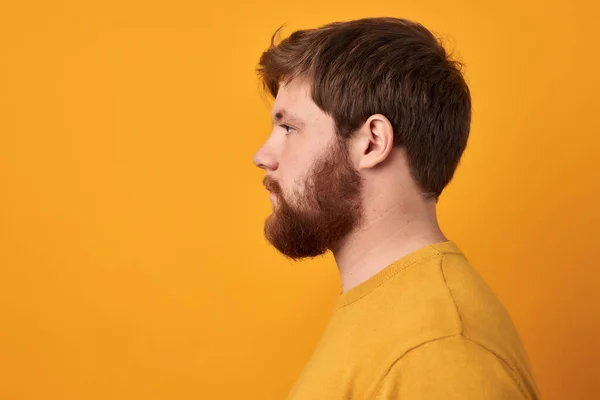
(379, 134)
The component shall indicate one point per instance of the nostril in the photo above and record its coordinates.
(265, 159)
(259, 160)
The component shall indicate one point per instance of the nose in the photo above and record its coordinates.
(265, 159)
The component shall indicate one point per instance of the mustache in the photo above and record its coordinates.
(271, 185)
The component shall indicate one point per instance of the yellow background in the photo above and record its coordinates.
(132, 259)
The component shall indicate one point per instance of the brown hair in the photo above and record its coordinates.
(387, 66)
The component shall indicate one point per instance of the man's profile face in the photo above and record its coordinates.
(314, 186)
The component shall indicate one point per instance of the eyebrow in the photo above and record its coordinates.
(281, 115)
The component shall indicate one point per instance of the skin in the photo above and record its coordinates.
(355, 198)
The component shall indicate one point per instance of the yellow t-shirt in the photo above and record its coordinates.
(425, 327)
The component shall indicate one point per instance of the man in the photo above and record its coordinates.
(370, 119)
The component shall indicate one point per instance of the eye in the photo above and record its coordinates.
(287, 128)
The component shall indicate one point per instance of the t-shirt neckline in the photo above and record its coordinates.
(361, 290)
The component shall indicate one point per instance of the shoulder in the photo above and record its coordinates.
(452, 367)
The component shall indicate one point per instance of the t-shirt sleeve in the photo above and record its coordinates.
(449, 369)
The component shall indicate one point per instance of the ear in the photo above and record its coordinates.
(373, 142)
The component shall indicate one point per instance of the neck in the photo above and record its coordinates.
(384, 237)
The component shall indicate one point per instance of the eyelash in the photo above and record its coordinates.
(286, 127)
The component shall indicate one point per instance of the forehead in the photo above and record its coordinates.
(293, 92)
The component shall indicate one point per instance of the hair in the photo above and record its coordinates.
(388, 66)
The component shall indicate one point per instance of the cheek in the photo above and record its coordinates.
(292, 183)
(296, 164)
(294, 170)
(293, 187)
